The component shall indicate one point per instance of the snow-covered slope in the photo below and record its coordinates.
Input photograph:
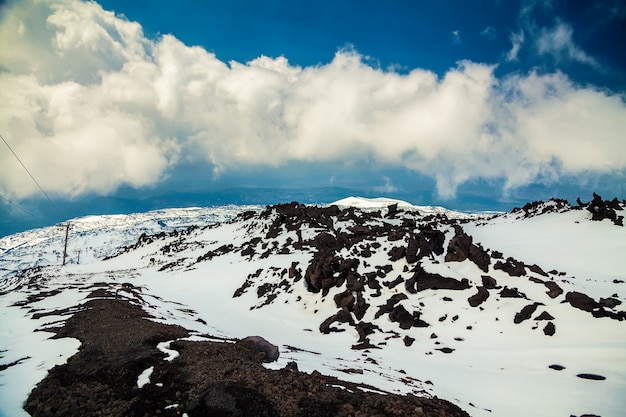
(476, 309)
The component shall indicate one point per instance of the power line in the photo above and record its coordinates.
(21, 208)
(33, 178)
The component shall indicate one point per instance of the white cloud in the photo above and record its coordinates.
(558, 42)
(455, 37)
(517, 39)
(132, 108)
(489, 32)
(387, 188)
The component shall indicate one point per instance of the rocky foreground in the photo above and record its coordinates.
(405, 297)
(224, 378)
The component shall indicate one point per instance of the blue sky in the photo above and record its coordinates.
(130, 105)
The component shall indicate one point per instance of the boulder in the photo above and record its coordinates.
(478, 298)
(489, 282)
(581, 301)
(269, 351)
(512, 267)
(525, 313)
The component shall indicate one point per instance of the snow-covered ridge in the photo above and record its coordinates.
(364, 203)
(414, 302)
(94, 237)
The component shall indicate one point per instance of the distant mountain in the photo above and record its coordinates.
(375, 306)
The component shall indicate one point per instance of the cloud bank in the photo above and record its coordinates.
(89, 104)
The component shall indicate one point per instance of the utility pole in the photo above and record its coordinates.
(67, 231)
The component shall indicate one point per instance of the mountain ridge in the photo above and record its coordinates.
(377, 285)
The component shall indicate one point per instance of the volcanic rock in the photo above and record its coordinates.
(544, 316)
(525, 313)
(270, 352)
(581, 301)
(549, 329)
(478, 298)
(512, 267)
(489, 282)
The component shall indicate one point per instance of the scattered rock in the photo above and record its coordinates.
(489, 282)
(511, 293)
(478, 298)
(553, 289)
(537, 270)
(544, 316)
(556, 367)
(549, 329)
(525, 313)
(461, 248)
(270, 352)
(593, 377)
(291, 366)
(610, 302)
(512, 267)
(601, 209)
(426, 280)
(581, 301)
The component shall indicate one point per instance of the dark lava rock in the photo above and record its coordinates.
(609, 302)
(581, 301)
(593, 377)
(270, 352)
(365, 329)
(544, 316)
(291, 366)
(461, 248)
(344, 299)
(400, 315)
(489, 282)
(525, 313)
(207, 379)
(478, 298)
(395, 282)
(458, 248)
(537, 270)
(512, 267)
(391, 302)
(342, 316)
(553, 289)
(549, 329)
(426, 243)
(366, 344)
(425, 280)
(601, 209)
(511, 293)
(408, 340)
(396, 253)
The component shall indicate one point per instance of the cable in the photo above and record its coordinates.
(33, 178)
(22, 208)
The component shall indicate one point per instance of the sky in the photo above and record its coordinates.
(480, 104)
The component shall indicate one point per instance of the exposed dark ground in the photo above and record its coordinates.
(207, 379)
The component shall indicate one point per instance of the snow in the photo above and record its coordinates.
(498, 367)
(144, 378)
(363, 202)
(165, 348)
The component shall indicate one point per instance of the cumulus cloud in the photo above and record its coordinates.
(90, 104)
